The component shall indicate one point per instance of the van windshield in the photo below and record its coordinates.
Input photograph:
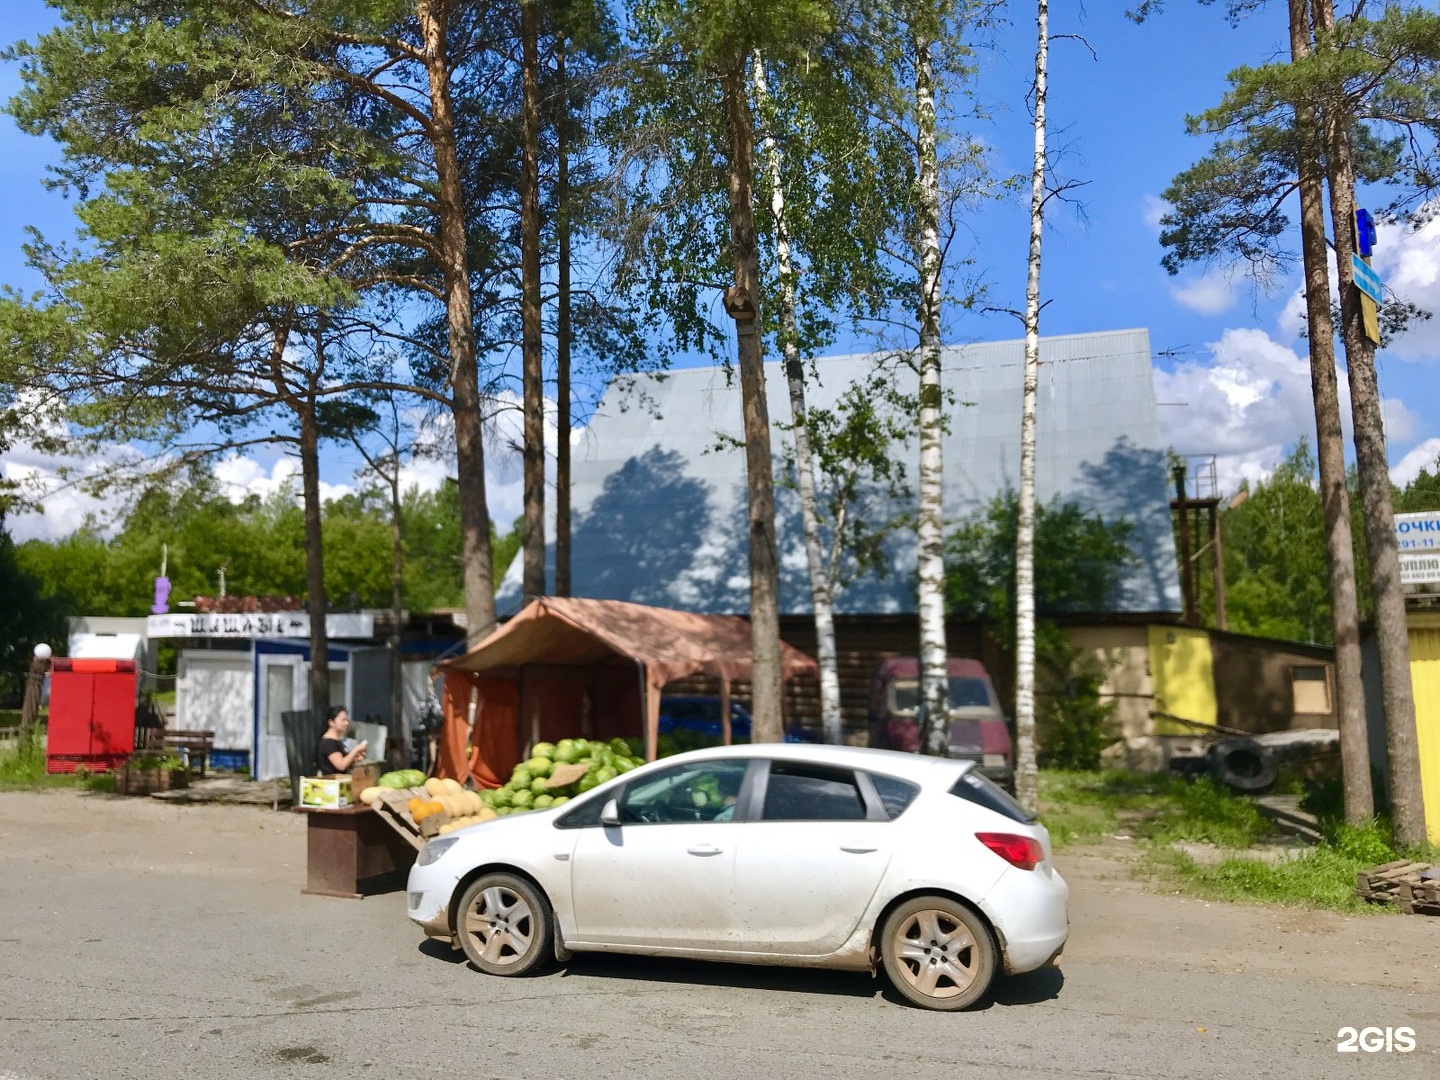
(965, 692)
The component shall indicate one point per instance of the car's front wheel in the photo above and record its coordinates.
(505, 925)
(938, 953)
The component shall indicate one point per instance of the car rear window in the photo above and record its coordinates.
(973, 787)
(894, 794)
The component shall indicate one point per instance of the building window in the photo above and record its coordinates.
(1310, 689)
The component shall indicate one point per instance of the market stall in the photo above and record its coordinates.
(588, 669)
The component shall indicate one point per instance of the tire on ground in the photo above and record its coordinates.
(505, 925)
(907, 951)
(1243, 766)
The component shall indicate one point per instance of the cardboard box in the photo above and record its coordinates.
(325, 792)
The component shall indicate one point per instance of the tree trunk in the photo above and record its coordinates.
(1407, 800)
(1026, 776)
(464, 377)
(1330, 450)
(930, 522)
(314, 553)
(562, 329)
(821, 587)
(767, 685)
(533, 378)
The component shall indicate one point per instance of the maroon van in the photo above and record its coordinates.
(978, 728)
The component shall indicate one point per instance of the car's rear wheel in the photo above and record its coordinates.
(505, 925)
(938, 953)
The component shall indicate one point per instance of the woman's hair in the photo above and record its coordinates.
(332, 712)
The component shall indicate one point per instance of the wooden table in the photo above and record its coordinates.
(345, 848)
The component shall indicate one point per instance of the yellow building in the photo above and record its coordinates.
(1166, 678)
(1423, 615)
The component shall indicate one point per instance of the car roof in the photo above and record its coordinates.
(908, 667)
(917, 767)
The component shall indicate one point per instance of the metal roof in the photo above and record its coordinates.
(658, 493)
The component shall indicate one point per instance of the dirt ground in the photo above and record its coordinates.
(152, 940)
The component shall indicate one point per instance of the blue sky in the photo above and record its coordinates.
(1230, 367)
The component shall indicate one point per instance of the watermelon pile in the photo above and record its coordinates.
(533, 786)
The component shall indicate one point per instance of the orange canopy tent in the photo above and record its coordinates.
(566, 667)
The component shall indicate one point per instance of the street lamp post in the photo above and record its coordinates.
(30, 709)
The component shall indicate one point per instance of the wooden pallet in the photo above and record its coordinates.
(393, 808)
(1400, 883)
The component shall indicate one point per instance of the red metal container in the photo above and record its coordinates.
(92, 714)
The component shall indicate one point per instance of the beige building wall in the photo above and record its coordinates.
(1260, 685)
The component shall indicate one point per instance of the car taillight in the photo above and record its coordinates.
(1024, 852)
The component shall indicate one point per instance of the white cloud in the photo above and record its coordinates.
(1249, 404)
(62, 486)
(240, 476)
(1209, 294)
(1409, 261)
(1152, 209)
(1424, 456)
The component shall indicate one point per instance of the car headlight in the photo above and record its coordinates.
(433, 851)
(994, 761)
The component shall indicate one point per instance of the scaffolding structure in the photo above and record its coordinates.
(1196, 507)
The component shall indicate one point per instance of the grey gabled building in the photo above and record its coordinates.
(658, 491)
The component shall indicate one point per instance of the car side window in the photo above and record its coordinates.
(699, 791)
(811, 793)
(895, 795)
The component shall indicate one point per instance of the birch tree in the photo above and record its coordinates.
(1026, 776)
(822, 145)
(930, 518)
(821, 595)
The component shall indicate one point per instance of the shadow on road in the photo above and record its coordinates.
(1029, 989)
(441, 950)
(740, 976)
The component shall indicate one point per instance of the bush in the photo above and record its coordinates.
(1072, 723)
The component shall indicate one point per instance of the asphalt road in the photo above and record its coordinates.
(145, 940)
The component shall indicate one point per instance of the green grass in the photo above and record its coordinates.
(1079, 807)
(1161, 811)
(22, 768)
(1323, 877)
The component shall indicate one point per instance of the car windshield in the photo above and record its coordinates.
(966, 691)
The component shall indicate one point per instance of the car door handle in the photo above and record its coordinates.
(704, 850)
(856, 849)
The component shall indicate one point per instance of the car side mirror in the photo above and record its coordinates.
(610, 813)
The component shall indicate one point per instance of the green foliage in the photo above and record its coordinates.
(862, 493)
(1422, 493)
(1276, 580)
(1073, 723)
(261, 543)
(27, 617)
(1080, 561)
(1380, 74)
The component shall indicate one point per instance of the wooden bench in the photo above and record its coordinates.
(193, 746)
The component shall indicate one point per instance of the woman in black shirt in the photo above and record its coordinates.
(330, 755)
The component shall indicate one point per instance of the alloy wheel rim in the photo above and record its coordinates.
(502, 925)
(937, 953)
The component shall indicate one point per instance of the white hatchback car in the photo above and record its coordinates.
(813, 856)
